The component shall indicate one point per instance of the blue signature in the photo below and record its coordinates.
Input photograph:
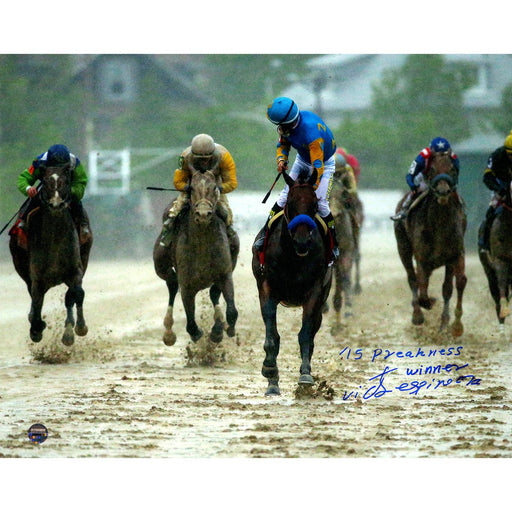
(379, 389)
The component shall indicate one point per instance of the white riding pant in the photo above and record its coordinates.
(324, 187)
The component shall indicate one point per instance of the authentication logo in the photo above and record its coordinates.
(38, 433)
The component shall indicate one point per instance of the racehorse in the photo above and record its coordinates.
(497, 263)
(348, 216)
(293, 270)
(200, 256)
(433, 234)
(53, 254)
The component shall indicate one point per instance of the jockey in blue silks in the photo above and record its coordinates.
(314, 142)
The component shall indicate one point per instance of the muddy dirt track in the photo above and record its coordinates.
(120, 392)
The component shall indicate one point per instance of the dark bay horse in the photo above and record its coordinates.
(200, 256)
(348, 215)
(497, 263)
(433, 235)
(293, 270)
(53, 254)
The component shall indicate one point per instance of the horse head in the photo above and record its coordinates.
(300, 210)
(443, 186)
(56, 187)
(442, 177)
(204, 195)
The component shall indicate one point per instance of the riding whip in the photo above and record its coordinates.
(161, 188)
(273, 185)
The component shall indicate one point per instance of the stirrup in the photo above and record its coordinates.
(258, 244)
(334, 256)
(399, 216)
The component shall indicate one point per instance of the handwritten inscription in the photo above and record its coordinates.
(434, 376)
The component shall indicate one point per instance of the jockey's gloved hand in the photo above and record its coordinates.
(220, 188)
(187, 189)
(32, 191)
(282, 165)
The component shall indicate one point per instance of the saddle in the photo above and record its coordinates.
(20, 234)
(322, 226)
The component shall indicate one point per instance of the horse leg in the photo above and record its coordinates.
(405, 252)
(218, 327)
(447, 295)
(337, 300)
(493, 283)
(228, 292)
(423, 276)
(37, 325)
(502, 277)
(311, 321)
(357, 261)
(460, 284)
(189, 304)
(271, 346)
(347, 283)
(172, 286)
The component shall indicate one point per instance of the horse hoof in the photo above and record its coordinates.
(36, 337)
(81, 330)
(273, 390)
(215, 337)
(357, 290)
(169, 338)
(418, 319)
(348, 314)
(196, 336)
(457, 330)
(306, 380)
(230, 331)
(68, 340)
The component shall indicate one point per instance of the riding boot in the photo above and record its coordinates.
(260, 240)
(329, 221)
(80, 219)
(167, 232)
(402, 214)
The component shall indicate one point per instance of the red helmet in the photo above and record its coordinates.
(352, 161)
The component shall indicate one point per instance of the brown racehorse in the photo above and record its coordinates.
(293, 270)
(348, 215)
(433, 235)
(53, 254)
(497, 263)
(200, 256)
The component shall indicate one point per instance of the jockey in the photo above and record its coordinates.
(344, 173)
(202, 155)
(315, 145)
(419, 169)
(56, 156)
(497, 177)
(352, 161)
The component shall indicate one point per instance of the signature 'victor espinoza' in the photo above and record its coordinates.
(379, 389)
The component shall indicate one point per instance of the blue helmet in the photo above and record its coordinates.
(58, 154)
(283, 111)
(439, 145)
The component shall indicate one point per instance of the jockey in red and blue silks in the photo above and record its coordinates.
(314, 142)
(419, 170)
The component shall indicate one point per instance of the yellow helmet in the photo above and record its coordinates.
(508, 143)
